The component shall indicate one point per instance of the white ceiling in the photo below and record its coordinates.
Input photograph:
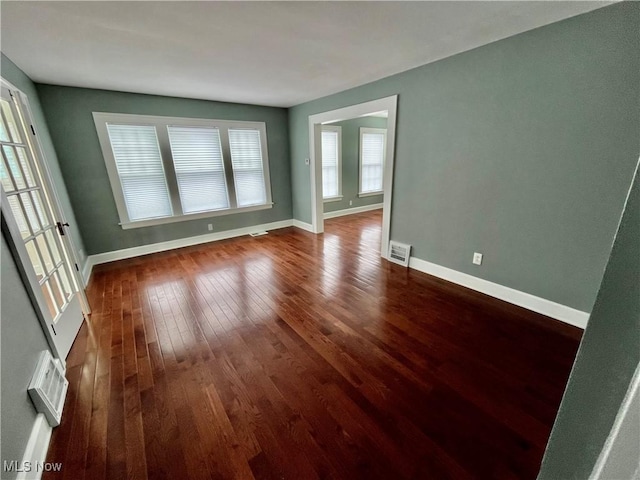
(266, 53)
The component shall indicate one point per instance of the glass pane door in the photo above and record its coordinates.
(22, 184)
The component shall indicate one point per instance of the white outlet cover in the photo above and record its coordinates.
(477, 258)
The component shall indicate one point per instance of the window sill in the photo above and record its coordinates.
(192, 216)
(332, 199)
(370, 194)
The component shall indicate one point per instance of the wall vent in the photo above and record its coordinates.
(48, 388)
(399, 253)
(258, 234)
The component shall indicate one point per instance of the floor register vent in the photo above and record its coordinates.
(399, 253)
(48, 388)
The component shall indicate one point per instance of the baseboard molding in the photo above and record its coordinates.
(551, 309)
(303, 225)
(36, 452)
(351, 211)
(546, 307)
(125, 253)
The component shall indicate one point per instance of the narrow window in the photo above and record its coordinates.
(248, 172)
(331, 163)
(372, 152)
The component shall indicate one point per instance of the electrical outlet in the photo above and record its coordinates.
(210, 227)
(477, 258)
(350, 202)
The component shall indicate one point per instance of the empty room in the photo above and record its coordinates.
(320, 240)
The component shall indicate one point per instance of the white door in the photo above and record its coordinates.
(32, 219)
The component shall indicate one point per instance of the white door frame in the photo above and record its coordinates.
(390, 104)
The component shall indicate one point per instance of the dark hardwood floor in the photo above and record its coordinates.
(295, 356)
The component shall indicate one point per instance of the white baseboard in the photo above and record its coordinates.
(551, 309)
(36, 452)
(125, 253)
(303, 225)
(546, 307)
(351, 211)
(179, 243)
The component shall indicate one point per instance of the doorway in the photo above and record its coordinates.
(324, 120)
(35, 229)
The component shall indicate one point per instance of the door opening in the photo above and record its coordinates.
(316, 122)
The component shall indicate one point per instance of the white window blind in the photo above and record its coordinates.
(372, 146)
(330, 163)
(197, 159)
(139, 164)
(170, 169)
(248, 173)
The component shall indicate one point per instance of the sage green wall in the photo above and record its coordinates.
(606, 361)
(69, 114)
(22, 342)
(15, 76)
(522, 150)
(351, 163)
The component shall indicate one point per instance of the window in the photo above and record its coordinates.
(246, 157)
(142, 179)
(165, 169)
(197, 159)
(331, 163)
(372, 152)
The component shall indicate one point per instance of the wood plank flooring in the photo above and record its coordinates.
(296, 356)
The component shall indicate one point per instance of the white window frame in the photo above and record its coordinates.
(364, 130)
(338, 130)
(161, 123)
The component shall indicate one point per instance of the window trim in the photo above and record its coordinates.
(338, 130)
(364, 130)
(161, 123)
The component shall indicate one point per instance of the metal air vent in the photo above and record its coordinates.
(399, 253)
(48, 388)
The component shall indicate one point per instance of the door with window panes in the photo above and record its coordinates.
(29, 217)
